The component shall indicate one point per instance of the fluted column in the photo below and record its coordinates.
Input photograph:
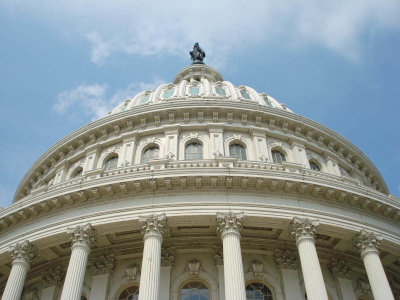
(22, 254)
(229, 226)
(368, 245)
(83, 238)
(154, 227)
(303, 231)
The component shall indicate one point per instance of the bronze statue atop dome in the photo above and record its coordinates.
(197, 55)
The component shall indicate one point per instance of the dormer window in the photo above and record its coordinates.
(245, 95)
(266, 100)
(144, 99)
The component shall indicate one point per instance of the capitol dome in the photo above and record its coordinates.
(201, 189)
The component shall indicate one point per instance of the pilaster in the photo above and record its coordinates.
(287, 260)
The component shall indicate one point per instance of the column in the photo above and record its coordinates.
(52, 280)
(104, 267)
(22, 255)
(229, 227)
(167, 262)
(303, 231)
(287, 260)
(219, 262)
(341, 270)
(154, 227)
(368, 244)
(83, 238)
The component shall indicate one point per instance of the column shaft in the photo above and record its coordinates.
(313, 279)
(233, 267)
(376, 276)
(16, 280)
(151, 263)
(73, 283)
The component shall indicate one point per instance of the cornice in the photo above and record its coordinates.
(203, 176)
(112, 127)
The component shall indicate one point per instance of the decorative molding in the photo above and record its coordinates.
(23, 252)
(229, 223)
(104, 264)
(193, 267)
(340, 268)
(303, 228)
(54, 276)
(154, 225)
(257, 268)
(286, 259)
(366, 241)
(84, 235)
(168, 256)
(132, 272)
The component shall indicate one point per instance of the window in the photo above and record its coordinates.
(123, 107)
(238, 151)
(258, 291)
(111, 163)
(150, 153)
(194, 291)
(194, 90)
(144, 99)
(168, 93)
(266, 100)
(194, 151)
(314, 166)
(131, 293)
(245, 95)
(77, 172)
(220, 91)
(278, 157)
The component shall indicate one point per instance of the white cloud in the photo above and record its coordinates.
(222, 27)
(93, 101)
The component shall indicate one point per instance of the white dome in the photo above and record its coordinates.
(199, 82)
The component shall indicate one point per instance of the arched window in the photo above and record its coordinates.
(277, 156)
(111, 163)
(220, 91)
(314, 166)
(194, 290)
(131, 293)
(238, 151)
(168, 93)
(258, 291)
(245, 95)
(77, 172)
(144, 99)
(194, 151)
(150, 153)
(194, 90)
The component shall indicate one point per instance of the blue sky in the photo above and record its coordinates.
(66, 63)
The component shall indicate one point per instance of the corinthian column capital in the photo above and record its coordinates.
(366, 242)
(229, 223)
(303, 228)
(82, 235)
(340, 268)
(23, 252)
(154, 225)
(286, 259)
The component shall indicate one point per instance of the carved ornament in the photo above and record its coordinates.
(154, 225)
(229, 222)
(286, 259)
(23, 252)
(303, 228)
(84, 235)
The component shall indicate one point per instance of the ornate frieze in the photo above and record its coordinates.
(286, 259)
(366, 241)
(154, 225)
(168, 256)
(218, 255)
(303, 228)
(23, 252)
(340, 268)
(256, 268)
(193, 267)
(229, 222)
(84, 235)
(54, 276)
(104, 264)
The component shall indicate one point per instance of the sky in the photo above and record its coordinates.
(64, 64)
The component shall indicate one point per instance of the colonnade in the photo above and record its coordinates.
(229, 226)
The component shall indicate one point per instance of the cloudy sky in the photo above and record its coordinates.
(64, 64)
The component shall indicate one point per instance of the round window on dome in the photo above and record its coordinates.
(267, 101)
(145, 99)
(168, 93)
(194, 90)
(220, 91)
(245, 95)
